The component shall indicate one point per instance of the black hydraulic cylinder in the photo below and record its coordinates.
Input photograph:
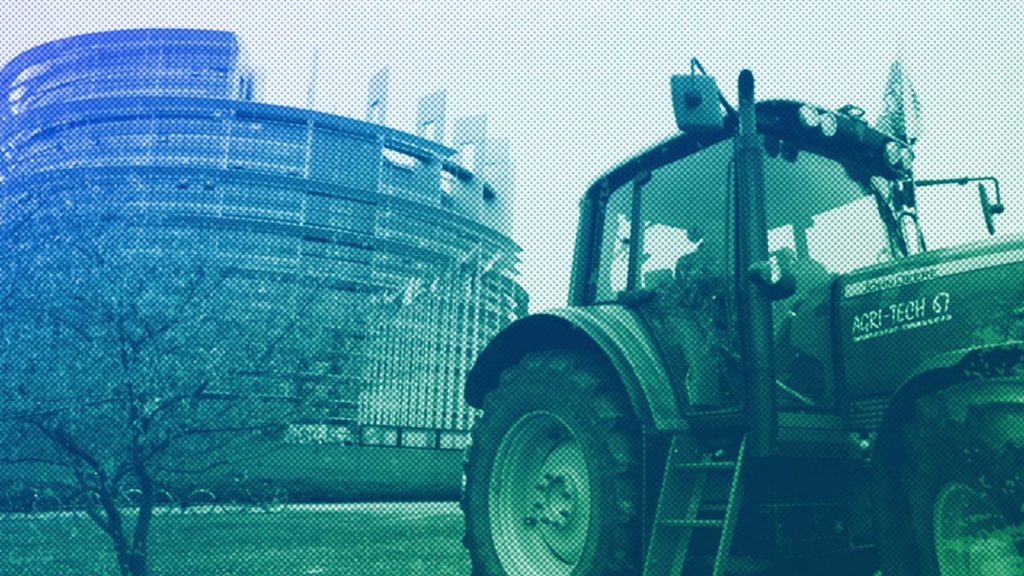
(754, 306)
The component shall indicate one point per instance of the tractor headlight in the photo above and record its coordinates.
(829, 125)
(906, 157)
(892, 152)
(809, 116)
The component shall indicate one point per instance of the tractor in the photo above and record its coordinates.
(762, 369)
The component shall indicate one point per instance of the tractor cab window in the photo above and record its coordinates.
(682, 208)
(679, 221)
(672, 227)
(822, 223)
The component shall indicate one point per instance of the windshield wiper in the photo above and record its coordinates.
(897, 244)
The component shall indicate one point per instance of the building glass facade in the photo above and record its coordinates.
(410, 251)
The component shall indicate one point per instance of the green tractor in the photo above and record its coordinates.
(762, 370)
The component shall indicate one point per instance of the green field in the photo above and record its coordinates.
(367, 539)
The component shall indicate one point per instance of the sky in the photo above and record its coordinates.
(577, 87)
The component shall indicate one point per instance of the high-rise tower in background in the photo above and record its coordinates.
(407, 237)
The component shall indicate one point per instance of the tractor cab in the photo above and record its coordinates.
(661, 231)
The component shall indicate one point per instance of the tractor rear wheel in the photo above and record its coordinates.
(553, 472)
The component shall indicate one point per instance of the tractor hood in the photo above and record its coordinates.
(900, 318)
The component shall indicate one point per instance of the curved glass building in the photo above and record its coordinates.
(411, 250)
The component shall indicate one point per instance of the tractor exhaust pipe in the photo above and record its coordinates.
(754, 306)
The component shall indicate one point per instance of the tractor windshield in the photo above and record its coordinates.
(818, 216)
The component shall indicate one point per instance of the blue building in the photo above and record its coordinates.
(411, 247)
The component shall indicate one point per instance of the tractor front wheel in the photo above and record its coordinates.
(963, 481)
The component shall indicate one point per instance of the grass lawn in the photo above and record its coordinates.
(378, 539)
(311, 473)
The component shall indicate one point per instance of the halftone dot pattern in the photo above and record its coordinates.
(222, 312)
(364, 479)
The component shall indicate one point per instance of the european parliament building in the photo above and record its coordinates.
(409, 245)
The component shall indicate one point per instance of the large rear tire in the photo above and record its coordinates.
(553, 472)
(963, 480)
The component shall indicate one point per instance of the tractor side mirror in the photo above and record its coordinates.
(988, 208)
(695, 103)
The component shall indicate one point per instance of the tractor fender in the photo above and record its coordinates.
(1001, 366)
(998, 365)
(612, 329)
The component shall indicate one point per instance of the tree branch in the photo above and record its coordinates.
(63, 440)
(36, 460)
(33, 416)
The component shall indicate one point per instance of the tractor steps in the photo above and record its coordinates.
(687, 474)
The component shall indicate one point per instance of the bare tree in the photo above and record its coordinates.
(125, 362)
